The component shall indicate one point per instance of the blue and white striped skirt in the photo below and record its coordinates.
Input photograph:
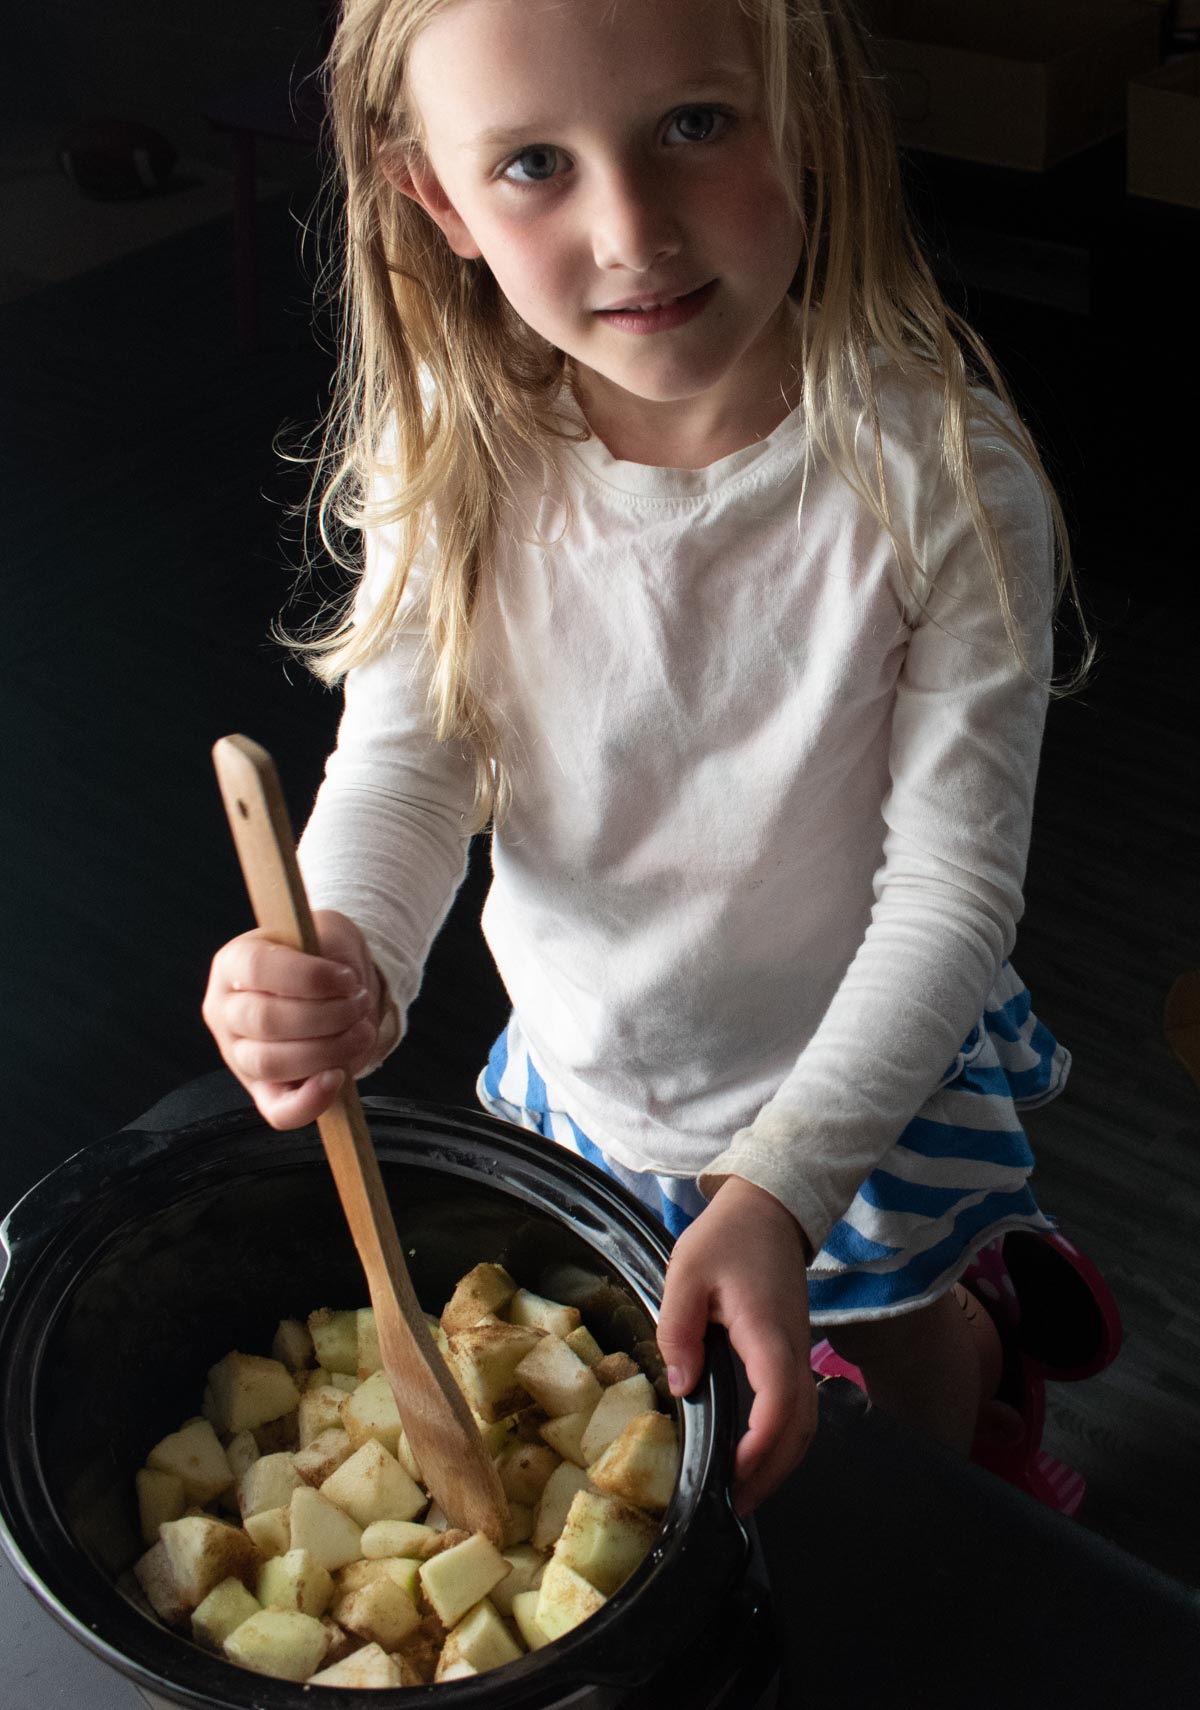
(955, 1180)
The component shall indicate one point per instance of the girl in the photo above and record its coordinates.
(696, 562)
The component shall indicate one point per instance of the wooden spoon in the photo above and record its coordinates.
(444, 1437)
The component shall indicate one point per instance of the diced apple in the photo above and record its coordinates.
(582, 1342)
(335, 1338)
(481, 1640)
(616, 1407)
(381, 1612)
(604, 1539)
(371, 1412)
(295, 1581)
(279, 1436)
(524, 1469)
(403, 1453)
(248, 1390)
(369, 1358)
(372, 1485)
(524, 1613)
(564, 1599)
(194, 1454)
(241, 1452)
(343, 1381)
(203, 1551)
(267, 1483)
(484, 1289)
(525, 1565)
(221, 1612)
(160, 1496)
(369, 1667)
(459, 1670)
(565, 1435)
(321, 1528)
(320, 1410)
(557, 1378)
(323, 1456)
(271, 1531)
(485, 1361)
(161, 1585)
(281, 1642)
(615, 1368)
(550, 1516)
(641, 1465)
(525, 1307)
(399, 1538)
(459, 1577)
(292, 1345)
(341, 1644)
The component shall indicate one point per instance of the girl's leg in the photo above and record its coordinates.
(928, 1368)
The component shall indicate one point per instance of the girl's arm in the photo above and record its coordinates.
(966, 733)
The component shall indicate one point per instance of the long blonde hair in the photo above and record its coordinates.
(439, 370)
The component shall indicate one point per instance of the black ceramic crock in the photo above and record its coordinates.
(142, 1260)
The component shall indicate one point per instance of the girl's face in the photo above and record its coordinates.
(610, 161)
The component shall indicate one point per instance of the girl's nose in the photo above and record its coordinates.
(633, 227)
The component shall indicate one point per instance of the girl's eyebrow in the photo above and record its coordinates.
(720, 79)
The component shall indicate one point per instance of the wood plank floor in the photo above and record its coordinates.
(142, 565)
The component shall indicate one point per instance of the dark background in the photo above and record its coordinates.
(147, 547)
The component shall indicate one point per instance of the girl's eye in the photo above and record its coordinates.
(697, 125)
(533, 165)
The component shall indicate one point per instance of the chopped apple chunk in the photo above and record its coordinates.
(160, 1497)
(371, 1412)
(615, 1408)
(203, 1551)
(642, 1464)
(224, 1609)
(295, 1581)
(335, 1338)
(564, 1599)
(525, 1307)
(459, 1577)
(482, 1291)
(557, 1378)
(247, 1390)
(194, 1454)
(481, 1640)
(369, 1667)
(604, 1539)
(372, 1485)
(485, 1361)
(281, 1642)
(381, 1612)
(317, 1525)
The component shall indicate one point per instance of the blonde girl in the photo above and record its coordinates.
(705, 555)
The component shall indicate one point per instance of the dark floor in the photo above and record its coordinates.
(144, 512)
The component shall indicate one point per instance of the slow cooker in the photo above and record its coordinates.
(144, 1258)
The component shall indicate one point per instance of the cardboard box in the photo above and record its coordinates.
(1163, 159)
(1017, 83)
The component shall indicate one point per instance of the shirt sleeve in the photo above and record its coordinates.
(387, 840)
(965, 739)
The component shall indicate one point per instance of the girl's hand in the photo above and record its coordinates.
(742, 1264)
(292, 1026)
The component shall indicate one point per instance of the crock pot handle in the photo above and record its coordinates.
(71, 1185)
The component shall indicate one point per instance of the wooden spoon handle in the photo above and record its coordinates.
(437, 1420)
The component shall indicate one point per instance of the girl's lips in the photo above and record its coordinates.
(663, 317)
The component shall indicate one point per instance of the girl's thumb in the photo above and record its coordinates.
(681, 1326)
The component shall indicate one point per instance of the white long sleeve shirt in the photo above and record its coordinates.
(769, 819)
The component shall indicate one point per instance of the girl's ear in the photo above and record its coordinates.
(415, 178)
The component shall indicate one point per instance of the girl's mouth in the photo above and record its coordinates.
(658, 317)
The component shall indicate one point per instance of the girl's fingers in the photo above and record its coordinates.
(256, 964)
(784, 1413)
(257, 1015)
(293, 1060)
(682, 1321)
(295, 1105)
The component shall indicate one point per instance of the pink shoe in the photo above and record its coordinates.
(1051, 1299)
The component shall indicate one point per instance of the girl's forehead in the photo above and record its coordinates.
(493, 54)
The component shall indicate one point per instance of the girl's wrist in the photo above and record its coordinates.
(764, 1203)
